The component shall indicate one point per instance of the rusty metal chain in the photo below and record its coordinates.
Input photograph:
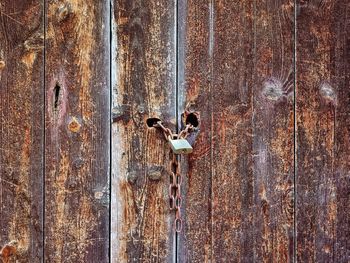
(175, 198)
(168, 134)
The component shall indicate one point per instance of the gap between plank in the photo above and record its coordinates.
(295, 134)
(176, 42)
(44, 135)
(110, 127)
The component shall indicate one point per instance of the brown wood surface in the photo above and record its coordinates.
(143, 76)
(21, 127)
(239, 75)
(196, 87)
(77, 131)
(78, 80)
(323, 123)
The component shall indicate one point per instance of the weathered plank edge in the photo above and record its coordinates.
(133, 98)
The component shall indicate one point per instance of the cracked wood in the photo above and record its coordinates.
(239, 75)
(323, 121)
(77, 131)
(144, 65)
(21, 129)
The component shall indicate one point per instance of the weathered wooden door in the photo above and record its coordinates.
(84, 179)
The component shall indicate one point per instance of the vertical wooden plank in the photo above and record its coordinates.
(239, 75)
(273, 131)
(77, 131)
(21, 126)
(196, 88)
(323, 119)
(143, 86)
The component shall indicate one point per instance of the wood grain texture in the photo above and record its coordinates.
(21, 127)
(239, 76)
(323, 121)
(143, 86)
(273, 132)
(196, 88)
(77, 131)
(232, 61)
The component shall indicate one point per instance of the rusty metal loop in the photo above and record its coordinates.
(177, 191)
(175, 198)
(178, 202)
(176, 164)
(159, 125)
(172, 204)
(178, 213)
(172, 179)
(178, 225)
(178, 221)
(166, 131)
(169, 135)
(185, 132)
(171, 192)
(178, 179)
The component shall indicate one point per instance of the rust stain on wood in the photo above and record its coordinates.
(74, 125)
(21, 136)
(77, 128)
(8, 251)
(144, 70)
(239, 74)
(235, 66)
(322, 132)
(195, 242)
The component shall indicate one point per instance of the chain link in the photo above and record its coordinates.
(169, 135)
(175, 198)
(175, 193)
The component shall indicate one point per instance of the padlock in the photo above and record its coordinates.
(180, 146)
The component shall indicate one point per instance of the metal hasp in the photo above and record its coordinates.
(180, 146)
